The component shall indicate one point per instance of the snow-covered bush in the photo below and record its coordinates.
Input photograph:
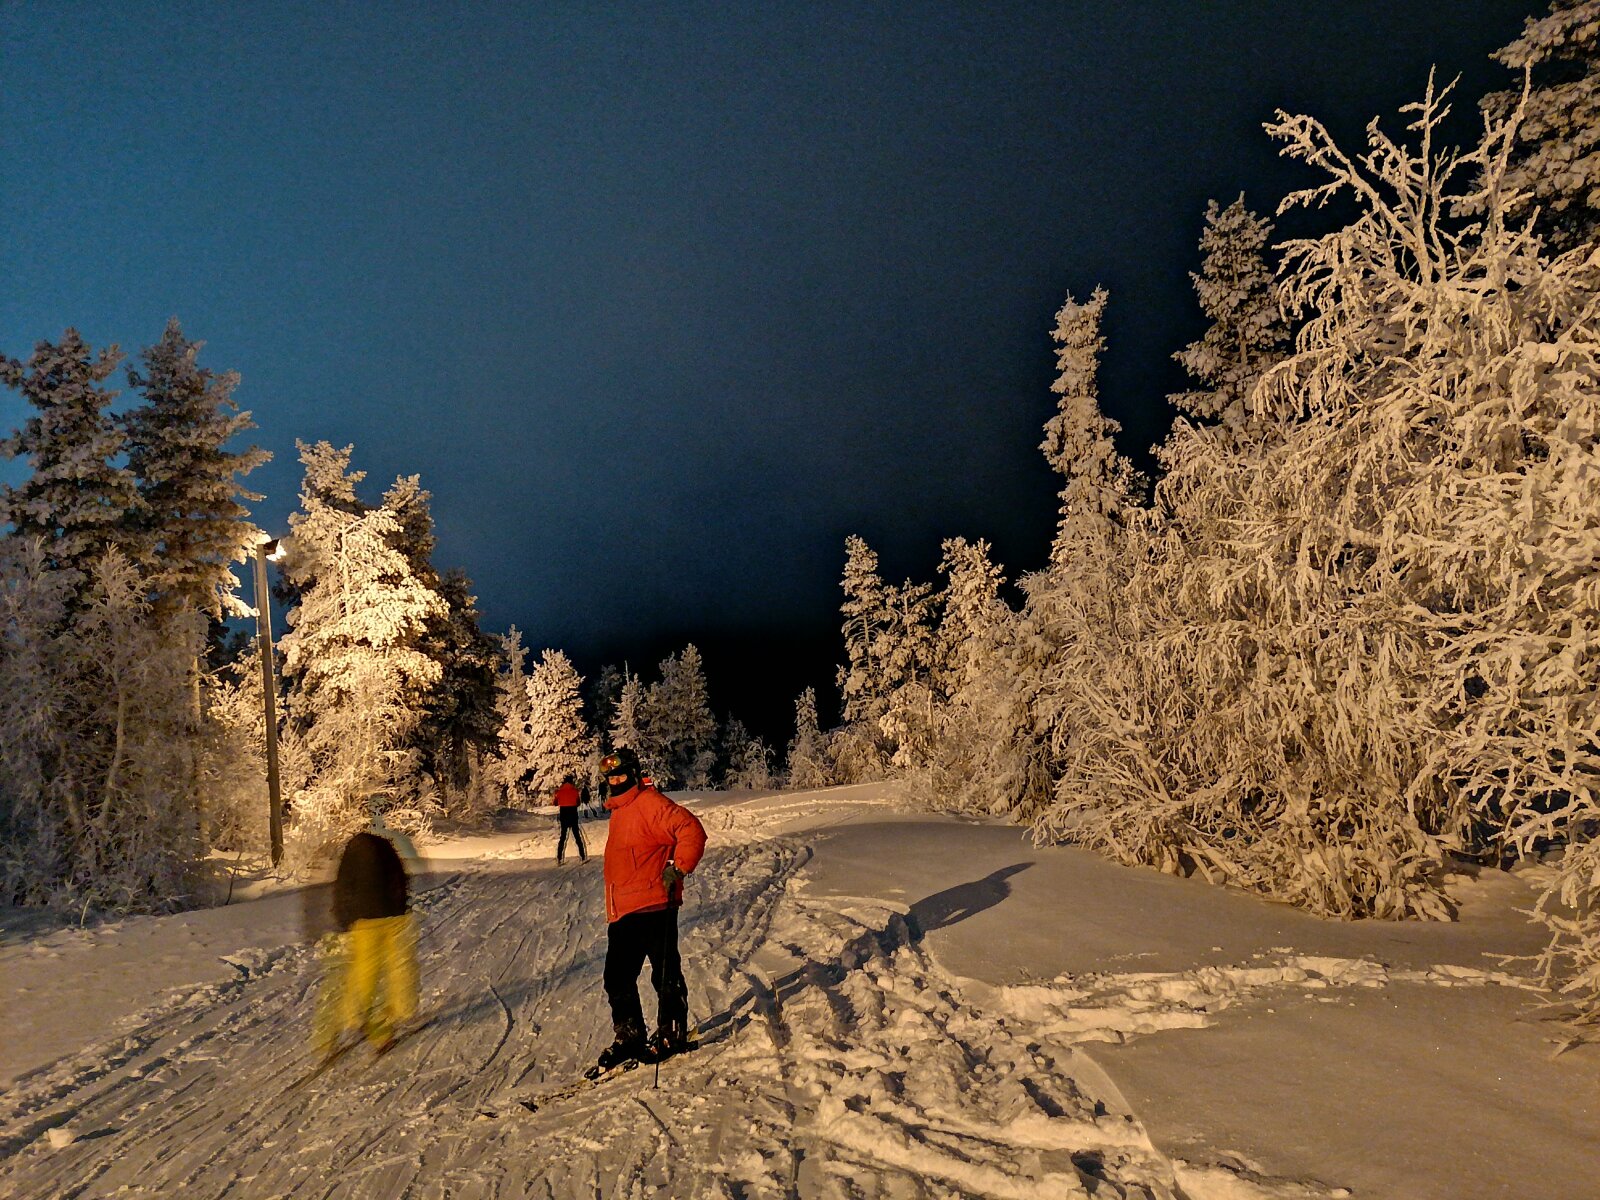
(96, 743)
(749, 759)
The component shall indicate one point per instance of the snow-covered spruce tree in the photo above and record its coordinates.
(862, 687)
(629, 728)
(512, 764)
(561, 744)
(1069, 652)
(189, 529)
(974, 762)
(905, 657)
(356, 678)
(749, 759)
(459, 722)
(192, 524)
(806, 763)
(1555, 161)
(1247, 335)
(601, 695)
(77, 499)
(680, 729)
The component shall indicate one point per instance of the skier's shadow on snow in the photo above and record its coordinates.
(938, 911)
(953, 905)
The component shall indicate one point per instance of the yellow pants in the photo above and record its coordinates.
(371, 981)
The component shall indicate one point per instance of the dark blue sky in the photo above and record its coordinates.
(664, 300)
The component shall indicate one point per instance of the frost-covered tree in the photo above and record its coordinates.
(1101, 485)
(905, 657)
(863, 688)
(1555, 160)
(980, 708)
(680, 729)
(95, 809)
(860, 678)
(561, 742)
(1068, 636)
(512, 763)
(971, 615)
(1350, 647)
(601, 695)
(749, 759)
(1247, 335)
(806, 763)
(459, 722)
(356, 677)
(192, 525)
(77, 499)
(628, 731)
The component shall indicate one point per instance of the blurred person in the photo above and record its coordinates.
(370, 988)
(652, 846)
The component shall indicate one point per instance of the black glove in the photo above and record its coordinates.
(671, 877)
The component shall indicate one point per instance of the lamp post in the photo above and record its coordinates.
(269, 548)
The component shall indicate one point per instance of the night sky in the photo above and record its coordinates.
(662, 301)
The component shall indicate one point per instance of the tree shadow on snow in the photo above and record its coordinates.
(938, 911)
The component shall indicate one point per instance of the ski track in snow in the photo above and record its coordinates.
(838, 1061)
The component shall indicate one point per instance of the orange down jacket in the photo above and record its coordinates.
(566, 796)
(647, 829)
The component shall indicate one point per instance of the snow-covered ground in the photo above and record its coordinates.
(892, 1005)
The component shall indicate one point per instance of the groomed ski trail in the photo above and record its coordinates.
(837, 1061)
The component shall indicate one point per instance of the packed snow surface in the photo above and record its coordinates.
(889, 1005)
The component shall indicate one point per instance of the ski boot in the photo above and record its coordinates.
(666, 1042)
(630, 1046)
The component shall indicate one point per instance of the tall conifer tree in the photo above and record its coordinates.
(77, 499)
(192, 524)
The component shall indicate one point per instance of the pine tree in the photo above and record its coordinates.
(512, 763)
(905, 653)
(807, 758)
(1101, 485)
(76, 499)
(971, 615)
(863, 752)
(560, 740)
(191, 523)
(1555, 162)
(355, 674)
(680, 729)
(460, 722)
(627, 731)
(1248, 335)
(601, 695)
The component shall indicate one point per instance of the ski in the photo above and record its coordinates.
(323, 1065)
(593, 1077)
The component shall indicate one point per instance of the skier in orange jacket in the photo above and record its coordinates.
(566, 802)
(652, 845)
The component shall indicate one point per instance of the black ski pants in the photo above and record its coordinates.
(629, 941)
(569, 824)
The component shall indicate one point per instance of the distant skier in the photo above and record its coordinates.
(371, 986)
(566, 801)
(652, 845)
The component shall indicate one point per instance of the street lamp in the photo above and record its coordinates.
(269, 549)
